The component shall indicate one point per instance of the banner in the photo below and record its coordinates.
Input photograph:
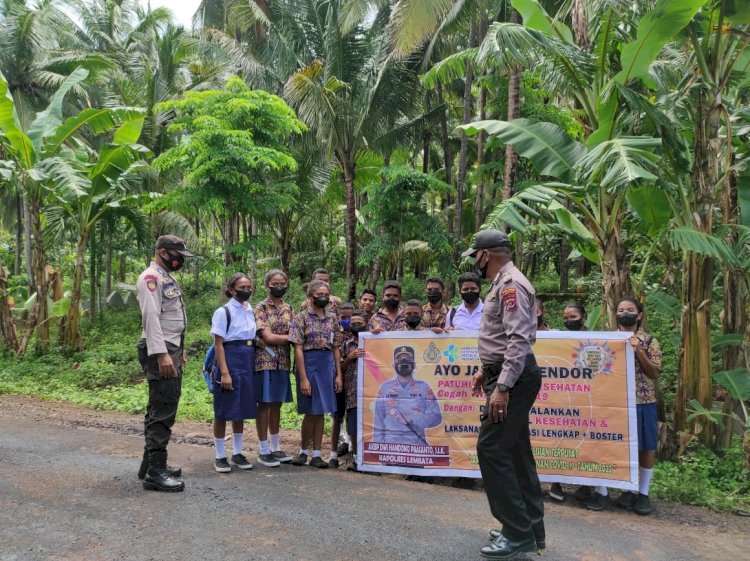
(426, 421)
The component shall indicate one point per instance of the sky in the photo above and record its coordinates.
(183, 10)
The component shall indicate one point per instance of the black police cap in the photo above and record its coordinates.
(173, 243)
(487, 239)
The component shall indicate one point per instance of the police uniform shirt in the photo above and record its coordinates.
(508, 326)
(162, 309)
(242, 326)
(404, 411)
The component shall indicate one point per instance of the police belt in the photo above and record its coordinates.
(239, 343)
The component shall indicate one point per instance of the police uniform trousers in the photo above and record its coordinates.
(163, 399)
(507, 462)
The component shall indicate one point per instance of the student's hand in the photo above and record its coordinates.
(479, 380)
(376, 330)
(260, 343)
(305, 387)
(448, 329)
(636, 342)
(437, 330)
(166, 366)
(226, 382)
(339, 384)
(355, 354)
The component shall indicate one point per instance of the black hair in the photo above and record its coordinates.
(232, 281)
(413, 302)
(436, 280)
(368, 291)
(359, 314)
(312, 286)
(392, 284)
(346, 306)
(469, 277)
(576, 306)
(274, 273)
(320, 271)
(540, 303)
(633, 300)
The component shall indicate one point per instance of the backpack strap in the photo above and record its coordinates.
(229, 316)
(451, 315)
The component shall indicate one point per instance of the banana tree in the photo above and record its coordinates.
(31, 151)
(84, 190)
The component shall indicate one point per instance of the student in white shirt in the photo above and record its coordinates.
(469, 313)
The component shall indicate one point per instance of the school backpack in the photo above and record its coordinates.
(451, 315)
(210, 366)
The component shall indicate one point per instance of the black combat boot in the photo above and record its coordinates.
(173, 471)
(157, 477)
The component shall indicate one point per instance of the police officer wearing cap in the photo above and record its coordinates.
(405, 407)
(511, 380)
(162, 357)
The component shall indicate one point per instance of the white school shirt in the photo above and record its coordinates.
(242, 327)
(464, 320)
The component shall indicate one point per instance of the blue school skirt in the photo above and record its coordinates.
(240, 403)
(321, 372)
(273, 386)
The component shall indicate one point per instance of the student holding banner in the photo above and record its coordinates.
(413, 316)
(350, 354)
(391, 316)
(511, 379)
(647, 371)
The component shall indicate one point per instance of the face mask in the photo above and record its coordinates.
(277, 291)
(573, 324)
(358, 328)
(413, 320)
(174, 262)
(391, 304)
(434, 296)
(243, 295)
(321, 301)
(346, 323)
(481, 271)
(627, 319)
(470, 297)
(540, 320)
(404, 369)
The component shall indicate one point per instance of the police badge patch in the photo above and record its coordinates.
(150, 282)
(509, 299)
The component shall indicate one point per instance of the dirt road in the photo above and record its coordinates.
(68, 491)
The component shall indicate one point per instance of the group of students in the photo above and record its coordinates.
(647, 370)
(254, 346)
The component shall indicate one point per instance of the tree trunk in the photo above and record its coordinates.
(615, 266)
(694, 381)
(479, 203)
(563, 257)
(346, 161)
(447, 156)
(196, 261)
(27, 246)
(514, 108)
(71, 336)
(39, 266)
(108, 262)
(19, 236)
(7, 326)
(122, 273)
(463, 159)
(92, 277)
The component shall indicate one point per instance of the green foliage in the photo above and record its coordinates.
(701, 477)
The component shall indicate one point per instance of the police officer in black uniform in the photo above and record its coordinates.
(162, 357)
(511, 380)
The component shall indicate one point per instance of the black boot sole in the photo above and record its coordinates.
(149, 486)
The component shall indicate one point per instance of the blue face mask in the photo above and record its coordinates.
(345, 323)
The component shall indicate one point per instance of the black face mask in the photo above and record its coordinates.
(627, 319)
(404, 369)
(434, 296)
(413, 320)
(391, 304)
(470, 297)
(277, 291)
(358, 328)
(481, 271)
(174, 262)
(573, 324)
(540, 320)
(243, 295)
(321, 301)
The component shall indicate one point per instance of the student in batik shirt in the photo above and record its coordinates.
(413, 316)
(391, 316)
(316, 336)
(350, 353)
(435, 312)
(273, 318)
(367, 301)
(333, 301)
(345, 312)
(647, 371)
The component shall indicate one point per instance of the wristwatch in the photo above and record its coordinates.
(503, 388)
